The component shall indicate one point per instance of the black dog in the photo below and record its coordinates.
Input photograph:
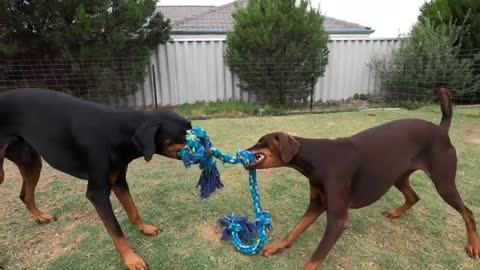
(88, 141)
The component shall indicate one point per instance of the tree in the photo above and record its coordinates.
(278, 48)
(465, 12)
(429, 58)
(102, 45)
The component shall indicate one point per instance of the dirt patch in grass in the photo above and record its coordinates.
(61, 246)
(209, 232)
(45, 246)
(472, 134)
(31, 245)
(49, 245)
(55, 243)
(89, 217)
(473, 140)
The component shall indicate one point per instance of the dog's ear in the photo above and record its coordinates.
(144, 139)
(288, 146)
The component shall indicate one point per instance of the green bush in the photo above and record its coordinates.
(84, 47)
(463, 13)
(278, 49)
(430, 57)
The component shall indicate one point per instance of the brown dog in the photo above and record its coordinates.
(357, 171)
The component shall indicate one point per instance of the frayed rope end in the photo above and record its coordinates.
(246, 230)
(209, 181)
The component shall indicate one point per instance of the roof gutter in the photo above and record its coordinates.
(198, 32)
(350, 31)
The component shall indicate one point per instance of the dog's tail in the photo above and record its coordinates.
(446, 106)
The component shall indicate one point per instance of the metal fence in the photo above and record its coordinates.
(189, 71)
(115, 81)
(185, 72)
(417, 75)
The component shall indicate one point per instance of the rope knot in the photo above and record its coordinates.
(240, 225)
(265, 219)
(198, 150)
(245, 157)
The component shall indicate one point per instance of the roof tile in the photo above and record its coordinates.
(176, 14)
(213, 18)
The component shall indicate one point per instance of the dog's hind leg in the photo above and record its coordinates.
(443, 176)
(411, 197)
(29, 163)
(4, 143)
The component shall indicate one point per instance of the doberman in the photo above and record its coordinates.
(88, 141)
(357, 171)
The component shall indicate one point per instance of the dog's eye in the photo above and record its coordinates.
(276, 138)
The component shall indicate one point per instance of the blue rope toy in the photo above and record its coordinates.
(198, 150)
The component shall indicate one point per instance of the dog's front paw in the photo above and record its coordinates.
(311, 266)
(393, 213)
(149, 230)
(133, 262)
(43, 218)
(271, 249)
(473, 249)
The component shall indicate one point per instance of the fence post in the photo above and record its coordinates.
(154, 87)
(312, 86)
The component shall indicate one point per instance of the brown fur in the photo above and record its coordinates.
(349, 173)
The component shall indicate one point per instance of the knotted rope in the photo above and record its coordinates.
(198, 150)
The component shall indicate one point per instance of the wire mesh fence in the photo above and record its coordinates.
(102, 80)
(288, 85)
(418, 76)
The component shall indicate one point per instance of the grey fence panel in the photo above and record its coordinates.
(144, 96)
(348, 72)
(191, 71)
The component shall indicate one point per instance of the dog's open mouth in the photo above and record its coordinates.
(259, 158)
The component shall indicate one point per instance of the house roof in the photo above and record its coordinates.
(219, 20)
(177, 14)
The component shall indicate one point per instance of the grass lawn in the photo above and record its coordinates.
(429, 236)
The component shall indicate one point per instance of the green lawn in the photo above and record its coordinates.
(430, 236)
